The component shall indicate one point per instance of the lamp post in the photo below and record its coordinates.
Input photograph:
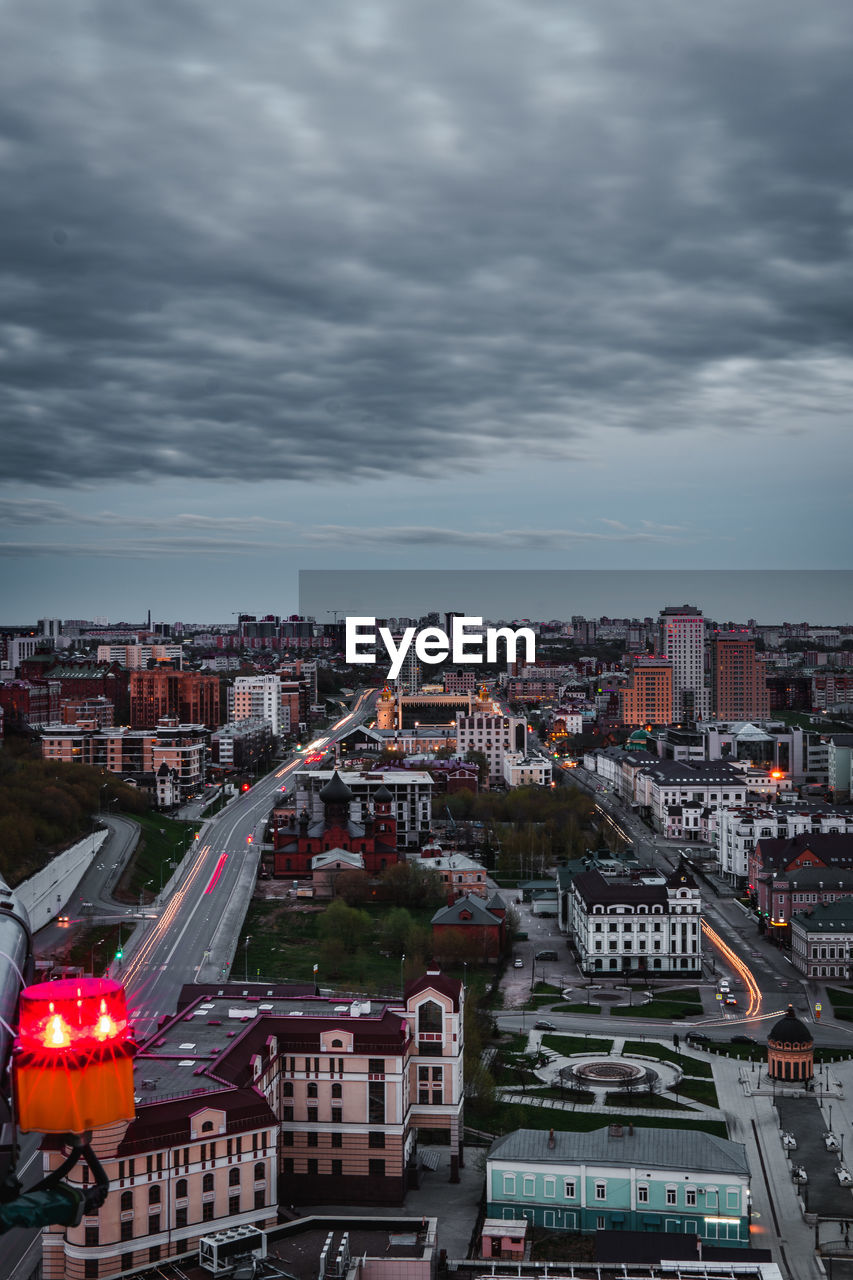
(402, 974)
(99, 943)
(142, 892)
(248, 939)
(104, 786)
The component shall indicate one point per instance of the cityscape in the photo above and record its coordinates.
(550, 955)
(426, 641)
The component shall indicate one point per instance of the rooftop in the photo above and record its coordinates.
(685, 1149)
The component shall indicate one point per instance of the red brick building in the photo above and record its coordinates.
(187, 696)
(787, 875)
(296, 843)
(470, 930)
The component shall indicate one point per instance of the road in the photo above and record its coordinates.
(201, 910)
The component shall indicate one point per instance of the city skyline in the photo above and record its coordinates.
(391, 287)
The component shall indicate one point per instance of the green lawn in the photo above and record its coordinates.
(650, 1101)
(567, 1045)
(504, 1117)
(700, 1091)
(665, 1010)
(648, 1049)
(161, 841)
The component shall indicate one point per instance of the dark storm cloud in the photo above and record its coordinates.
(275, 240)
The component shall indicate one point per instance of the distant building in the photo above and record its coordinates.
(241, 744)
(682, 639)
(822, 940)
(256, 698)
(135, 754)
(374, 839)
(470, 929)
(739, 679)
(411, 792)
(647, 697)
(493, 735)
(189, 696)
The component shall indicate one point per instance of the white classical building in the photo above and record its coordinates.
(638, 922)
(492, 734)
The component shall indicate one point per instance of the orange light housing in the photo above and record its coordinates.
(72, 1065)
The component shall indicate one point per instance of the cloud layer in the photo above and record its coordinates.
(302, 242)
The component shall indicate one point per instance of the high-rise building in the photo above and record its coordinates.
(257, 697)
(682, 640)
(188, 696)
(647, 697)
(739, 682)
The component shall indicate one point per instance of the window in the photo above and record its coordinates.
(376, 1168)
(153, 1224)
(207, 1211)
(260, 1197)
(313, 1166)
(154, 1195)
(207, 1182)
(376, 1066)
(233, 1177)
(509, 1184)
(601, 1190)
(672, 1195)
(337, 1115)
(690, 1197)
(337, 1091)
(600, 1222)
(313, 1140)
(287, 1165)
(732, 1198)
(287, 1138)
(376, 1102)
(376, 1139)
(127, 1229)
(207, 1127)
(550, 1187)
(312, 1115)
(642, 1193)
(233, 1205)
(287, 1113)
(337, 1168)
(181, 1217)
(180, 1190)
(154, 1253)
(90, 1267)
(430, 1017)
(127, 1262)
(287, 1089)
(126, 1200)
(91, 1236)
(528, 1186)
(312, 1090)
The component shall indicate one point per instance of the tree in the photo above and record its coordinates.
(351, 926)
(477, 758)
(353, 886)
(397, 930)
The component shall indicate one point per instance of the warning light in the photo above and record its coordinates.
(245, 786)
(249, 839)
(119, 953)
(72, 1064)
(777, 773)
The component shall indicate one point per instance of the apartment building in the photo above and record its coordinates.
(240, 744)
(822, 940)
(137, 754)
(738, 678)
(189, 696)
(635, 922)
(494, 735)
(681, 639)
(136, 657)
(256, 1095)
(256, 698)
(740, 827)
(647, 697)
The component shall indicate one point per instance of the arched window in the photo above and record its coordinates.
(126, 1200)
(233, 1177)
(260, 1171)
(180, 1189)
(430, 1016)
(207, 1182)
(207, 1127)
(312, 1090)
(337, 1091)
(337, 1044)
(154, 1195)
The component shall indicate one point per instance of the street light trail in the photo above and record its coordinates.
(217, 872)
(738, 965)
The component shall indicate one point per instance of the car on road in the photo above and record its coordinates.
(544, 1025)
(830, 1141)
(730, 1000)
(697, 1037)
(518, 963)
(743, 1040)
(844, 1176)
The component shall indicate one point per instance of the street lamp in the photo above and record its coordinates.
(402, 978)
(99, 943)
(142, 892)
(248, 939)
(104, 787)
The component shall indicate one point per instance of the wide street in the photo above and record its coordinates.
(192, 929)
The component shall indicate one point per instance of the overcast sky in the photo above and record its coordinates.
(395, 284)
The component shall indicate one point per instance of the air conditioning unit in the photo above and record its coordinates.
(221, 1252)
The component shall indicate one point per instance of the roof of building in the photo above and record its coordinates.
(331, 856)
(593, 887)
(829, 847)
(790, 1030)
(336, 791)
(496, 902)
(435, 980)
(383, 795)
(686, 1149)
(478, 913)
(826, 917)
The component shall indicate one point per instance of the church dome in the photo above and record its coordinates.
(336, 791)
(789, 1030)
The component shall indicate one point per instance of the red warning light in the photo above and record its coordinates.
(249, 839)
(245, 786)
(72, 1064)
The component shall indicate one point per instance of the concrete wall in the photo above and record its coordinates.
(45, 893)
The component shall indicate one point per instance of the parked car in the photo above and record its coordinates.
(844, 1176)
(697, 1037)
(730, 1000)
(518, 963)
(798, 1173)
(830, 1141)
(743, 1040)
(544, 1025)
(789, 1142)
(546, 955)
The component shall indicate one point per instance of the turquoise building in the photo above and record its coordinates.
(622, 1178)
